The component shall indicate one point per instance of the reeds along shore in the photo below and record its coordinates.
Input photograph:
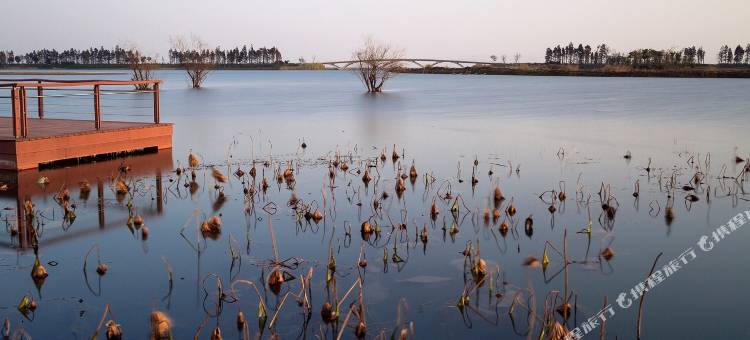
(673, 71)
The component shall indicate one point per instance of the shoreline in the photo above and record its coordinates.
(570, 70)
(656, 71)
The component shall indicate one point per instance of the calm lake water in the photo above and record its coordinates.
(532, 133)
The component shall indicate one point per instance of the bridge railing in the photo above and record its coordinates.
(94, 89)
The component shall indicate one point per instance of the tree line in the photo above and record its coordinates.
(122, 56)
(231, 56)
(602, 54)
(738, 56)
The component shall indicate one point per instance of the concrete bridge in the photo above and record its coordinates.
(420, 63)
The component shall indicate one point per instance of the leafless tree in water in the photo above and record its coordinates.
(195, 58)
(375, 64)
(141, 67)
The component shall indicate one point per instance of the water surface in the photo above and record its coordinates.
(532, 132)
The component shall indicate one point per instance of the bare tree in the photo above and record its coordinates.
(504, 58)
(194, 57)
(141, 67)
(376, 64)
(493, 58)
(516, 57)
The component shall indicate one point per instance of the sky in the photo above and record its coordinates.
(326, 30)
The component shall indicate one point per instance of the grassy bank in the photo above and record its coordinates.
(692, 71)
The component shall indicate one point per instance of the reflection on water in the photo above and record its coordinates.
(528, 135)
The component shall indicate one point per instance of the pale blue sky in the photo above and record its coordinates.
(330, 29)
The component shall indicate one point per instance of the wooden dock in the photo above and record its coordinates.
(26, 143)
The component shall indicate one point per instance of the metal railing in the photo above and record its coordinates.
(91, 88)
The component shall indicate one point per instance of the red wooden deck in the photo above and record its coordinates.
(52, 140)
(25, 142)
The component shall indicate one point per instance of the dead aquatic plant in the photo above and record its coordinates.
(637, 188)
(498, 196)
(478, 264)
(532, 262)
(565, 308)
(121, 188)
(529, 226)
(262, 310)
(38, 272)
(643, 298)
(400, 186)
(211, 227)
(607, 253)
(101, 268)
(113, 331)
(394, 154)
(504, 227)
(27, 306)
(413, 172)
(669, 210)
(434, 211)
(218, 176)
(474, 179)
(511, 209)
(161, 326)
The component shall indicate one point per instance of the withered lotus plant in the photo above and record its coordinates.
(434, 211)
(121, 188)
(101, 269)
(193, 160)
(328, 314)
(161, 326)
(211, 227)
(366, 178)
(317, 216)
(511, 209)
(532, 262)
(218, 175)
(114, 331)
(241, 321)
(138, 220)
(367, 228)
(498, 196)
(85, 189)
(400, 186)
(216, 334)
(277, 278)
(38, 272)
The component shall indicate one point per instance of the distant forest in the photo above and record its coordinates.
(119, 56)
(602, 54)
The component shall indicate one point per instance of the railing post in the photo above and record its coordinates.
(24, 114)
(97, 109)
(40, 100)
(16, 108)
(157, 117)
